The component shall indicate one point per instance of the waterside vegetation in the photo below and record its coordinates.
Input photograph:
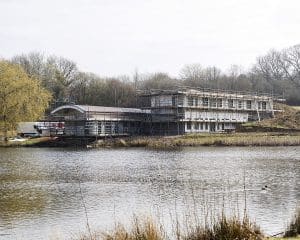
(220, 139)
(170, 142)
(28, 142)
(293, 230)
(222, 227)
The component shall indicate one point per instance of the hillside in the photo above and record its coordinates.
(288, 119)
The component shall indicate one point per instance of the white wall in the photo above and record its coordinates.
(216, 116)
(166, 100)
(203, 127)
(225, 105)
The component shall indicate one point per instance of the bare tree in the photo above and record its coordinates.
(212, 76)
(193, 75)
(290, 64)
(32, 63)
(158, 81)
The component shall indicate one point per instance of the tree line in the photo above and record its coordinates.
(32, 83)
(277, 72)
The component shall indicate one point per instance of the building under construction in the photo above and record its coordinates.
(89, 121)
(167, 112)
(189, 110)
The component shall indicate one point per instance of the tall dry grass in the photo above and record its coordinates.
(222, 228)
(140, 229)
(226, 228)
(293, 230)
(217, 139)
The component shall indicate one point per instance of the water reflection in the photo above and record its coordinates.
(40, 192)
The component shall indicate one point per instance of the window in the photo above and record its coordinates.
(240, 104)
(188, 126)
(248, 104)
(205, 101)
(173, 101)
(219, 102)
(230, 103)
(156, 101)
(206, 126)
(213, 102)
(196, 101)
(197, 126)
(264, 105)
(201, 126)
(180, 100)
(190, 101)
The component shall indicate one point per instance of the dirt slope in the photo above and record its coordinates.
(288, 119)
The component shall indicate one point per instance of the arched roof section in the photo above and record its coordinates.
(74, 107)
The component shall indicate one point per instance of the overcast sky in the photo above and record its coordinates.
(113, 37)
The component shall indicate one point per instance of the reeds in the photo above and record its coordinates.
(223, 228)
(140, 229)
(145, 229)
(226, 228)
(233, 139)
(293, 230)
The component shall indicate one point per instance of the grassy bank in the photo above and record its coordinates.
(169, 142)
(30, 142)
(296, 107)
(220, 227)
(165, 142)
(223, 227)
(232, 139)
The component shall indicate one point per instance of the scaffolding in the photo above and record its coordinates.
(203, 109)
(102, 122)
(167, 112)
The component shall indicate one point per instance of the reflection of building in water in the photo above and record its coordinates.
(167, 112)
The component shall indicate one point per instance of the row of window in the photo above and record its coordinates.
(204, 126)
(218, 103)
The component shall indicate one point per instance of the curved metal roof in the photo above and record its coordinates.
(75, 107)
(98, 109)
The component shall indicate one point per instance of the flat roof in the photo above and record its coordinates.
(205, 91)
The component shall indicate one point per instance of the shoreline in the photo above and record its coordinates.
(216, 140)
(239, 139)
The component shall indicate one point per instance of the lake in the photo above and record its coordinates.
(45, 193)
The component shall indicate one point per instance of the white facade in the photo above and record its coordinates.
(202, 127)
(230, 102)
(205, 111)
(215, 116)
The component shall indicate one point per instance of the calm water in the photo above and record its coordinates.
(40, 195)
